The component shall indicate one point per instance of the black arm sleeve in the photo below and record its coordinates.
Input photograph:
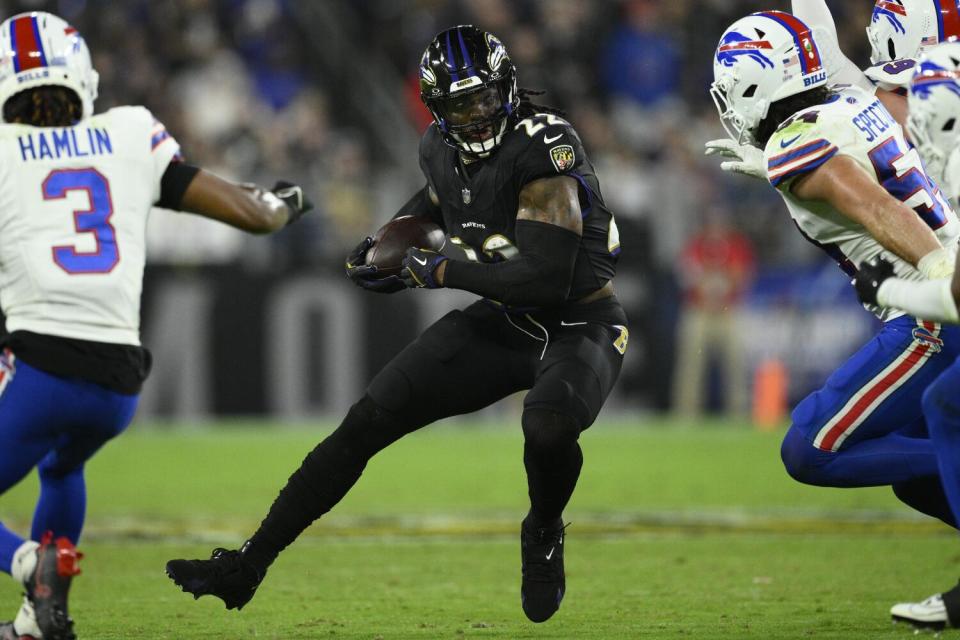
(421, 205)
(174, 183)
(539, 277)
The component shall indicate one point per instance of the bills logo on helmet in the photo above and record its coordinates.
(497, 52)
(933, 75)
(736, 44)
(890, 11)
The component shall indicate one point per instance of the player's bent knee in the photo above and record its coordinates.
(801, 459)
(941, 397)
(367, 428)
(548, 432)
(559, 396)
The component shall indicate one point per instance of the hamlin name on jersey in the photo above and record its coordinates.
(68, 142)
(74, 203)
(852, 122)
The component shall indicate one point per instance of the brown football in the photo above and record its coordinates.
(391, 241)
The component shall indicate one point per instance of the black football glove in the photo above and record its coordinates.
(292, 196)
(364, 275)
(869, 277)
(419, 265)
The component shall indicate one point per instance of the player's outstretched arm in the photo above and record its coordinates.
(845, 185)
(548, 229)
(246, 207)
(929, 299)
(744, 159)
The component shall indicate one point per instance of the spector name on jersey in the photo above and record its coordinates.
(72, 142)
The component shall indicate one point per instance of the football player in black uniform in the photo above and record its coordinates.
(510, 183)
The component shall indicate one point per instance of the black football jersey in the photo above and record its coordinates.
(479, 200)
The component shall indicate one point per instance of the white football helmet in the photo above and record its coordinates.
(38, 49)
(934, 118)
(903, 28)
(762, 58)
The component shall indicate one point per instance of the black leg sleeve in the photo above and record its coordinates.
(324, 478)
(552, 457)
(926, 495)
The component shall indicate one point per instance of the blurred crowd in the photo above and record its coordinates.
(324, 93)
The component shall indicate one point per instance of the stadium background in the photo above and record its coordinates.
(682, 527)
(324, 93)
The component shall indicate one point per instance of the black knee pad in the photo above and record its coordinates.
(547, 432)
(560, 396)
(366, 429)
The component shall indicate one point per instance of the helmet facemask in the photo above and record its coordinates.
(475, 121)
(739, 126)
(469, 84)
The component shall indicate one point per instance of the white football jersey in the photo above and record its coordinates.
(73, 213)
(892, 76)
(855, 124)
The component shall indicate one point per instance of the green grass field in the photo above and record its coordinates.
(678, 532)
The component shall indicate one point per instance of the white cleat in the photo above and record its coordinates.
(931, 614)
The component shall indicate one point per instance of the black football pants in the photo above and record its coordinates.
(466, 361)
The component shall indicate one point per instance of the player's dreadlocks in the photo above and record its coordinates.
(783, 109)
(528, 108)
(46, 106)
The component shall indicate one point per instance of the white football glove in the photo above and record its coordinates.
(747, 160)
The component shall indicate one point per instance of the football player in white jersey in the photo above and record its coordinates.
(898, 32)
(75, 191)
(856, 189)
(934, 100)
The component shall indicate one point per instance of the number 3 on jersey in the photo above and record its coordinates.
(95, 220)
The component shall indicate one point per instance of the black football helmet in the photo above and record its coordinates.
(469, 84)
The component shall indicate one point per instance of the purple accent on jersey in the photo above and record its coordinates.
(831, 250)
(468, 62)
(802, 150)
(451, 61)
(899, 66)
(586, 188)
(804, 168)
(734, 45)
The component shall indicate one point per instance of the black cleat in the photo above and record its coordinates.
(7, 632)
(544, 583)
(226, 575)
(49, 584)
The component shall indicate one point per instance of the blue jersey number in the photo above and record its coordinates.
(95, 220)
(902, 175)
